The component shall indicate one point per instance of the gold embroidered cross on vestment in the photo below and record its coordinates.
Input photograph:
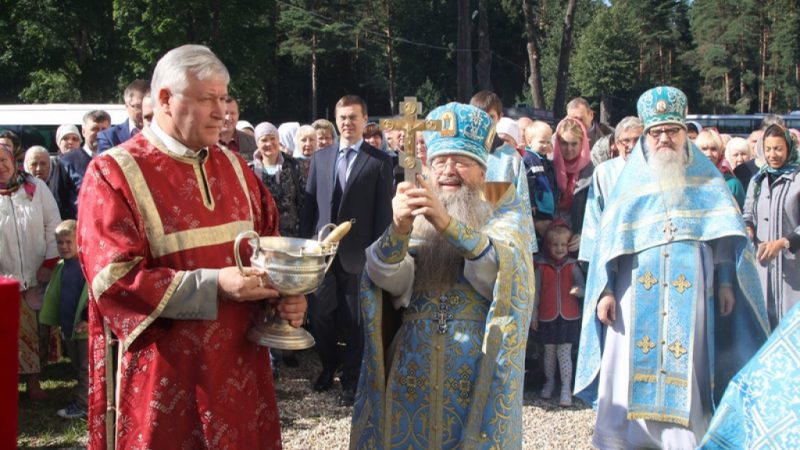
(648, 280)
(682, 284)
(677, 349)
(645, 345)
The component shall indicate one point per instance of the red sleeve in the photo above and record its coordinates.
(115, 256)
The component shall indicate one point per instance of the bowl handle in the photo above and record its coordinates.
(329, 227)
(243, 235)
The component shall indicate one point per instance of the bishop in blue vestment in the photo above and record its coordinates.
(670, 275)
(447, 304)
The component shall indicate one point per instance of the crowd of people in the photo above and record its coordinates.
(641, 264)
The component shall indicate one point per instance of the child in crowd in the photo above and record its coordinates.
(65, 305)
(559, 283)
(541, 175)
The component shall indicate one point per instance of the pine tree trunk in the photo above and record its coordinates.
(464, 56)
(484, 48)
(727, 79)
(763, 61)
(605, 108)
(642, 64)
(562, 75)
(535, 80)
(314, 76)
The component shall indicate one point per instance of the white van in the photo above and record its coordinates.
(37, 124)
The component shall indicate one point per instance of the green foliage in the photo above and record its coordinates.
(89, 50)
(430, 96)
(726, 48)
(605, 62)
(50, 87)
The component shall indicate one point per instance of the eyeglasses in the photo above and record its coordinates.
(630, 142)
(460, 163)
(670, 132)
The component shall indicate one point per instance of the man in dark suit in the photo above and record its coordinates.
(351, 180)
(236, 140)
(120, 133)
(75, 162)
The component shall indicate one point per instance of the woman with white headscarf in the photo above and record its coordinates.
(282, 174)
(286, 134)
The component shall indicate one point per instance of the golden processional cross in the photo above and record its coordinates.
(408, 122)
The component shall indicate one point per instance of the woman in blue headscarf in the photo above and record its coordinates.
(772, 217)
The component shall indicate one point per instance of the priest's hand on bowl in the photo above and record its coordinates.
(253, 285)
(292, 308)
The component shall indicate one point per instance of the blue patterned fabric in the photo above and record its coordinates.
(466, 130)
(505, 165)
(633, 223)
(761, 406)
(459, 386)
(662, 105)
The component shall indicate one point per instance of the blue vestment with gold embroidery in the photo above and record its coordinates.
(456, 382)
(667, 283)
(506, 164)
(761, 406)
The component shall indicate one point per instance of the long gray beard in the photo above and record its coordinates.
(670, 169)
(438, 263)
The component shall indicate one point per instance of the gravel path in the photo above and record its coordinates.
(313, 420)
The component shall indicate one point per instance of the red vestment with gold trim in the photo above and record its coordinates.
(146, 216)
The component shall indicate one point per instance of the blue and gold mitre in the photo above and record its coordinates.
(466, 130)
(663, 105)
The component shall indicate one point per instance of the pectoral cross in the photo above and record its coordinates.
(669, 229)
(409, 123)
(442, 316)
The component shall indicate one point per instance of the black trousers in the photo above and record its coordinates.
(336, 325)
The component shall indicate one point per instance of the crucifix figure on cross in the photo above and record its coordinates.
(409, 123)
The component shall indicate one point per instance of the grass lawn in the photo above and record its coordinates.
(39, 426)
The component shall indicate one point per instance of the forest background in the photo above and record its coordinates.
(292, 59)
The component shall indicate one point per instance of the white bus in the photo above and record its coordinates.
(739, 124)
(37, 124)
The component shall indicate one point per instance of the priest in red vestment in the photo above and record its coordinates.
(158, 216)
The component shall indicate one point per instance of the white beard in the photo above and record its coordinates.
(670, 168)
(438, 263)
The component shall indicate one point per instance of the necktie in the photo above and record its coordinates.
(134, 132)
(341, 167)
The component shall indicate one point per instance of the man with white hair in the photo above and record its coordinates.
(41, 165)
(671, 270)
(604, 177)
(159, 216)
(452, 270)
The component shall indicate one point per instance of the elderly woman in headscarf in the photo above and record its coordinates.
(306, 144)
(772, 218)
(286, 134)
(574, 168)
(28, 219)
(710, 143)
(282, 174)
